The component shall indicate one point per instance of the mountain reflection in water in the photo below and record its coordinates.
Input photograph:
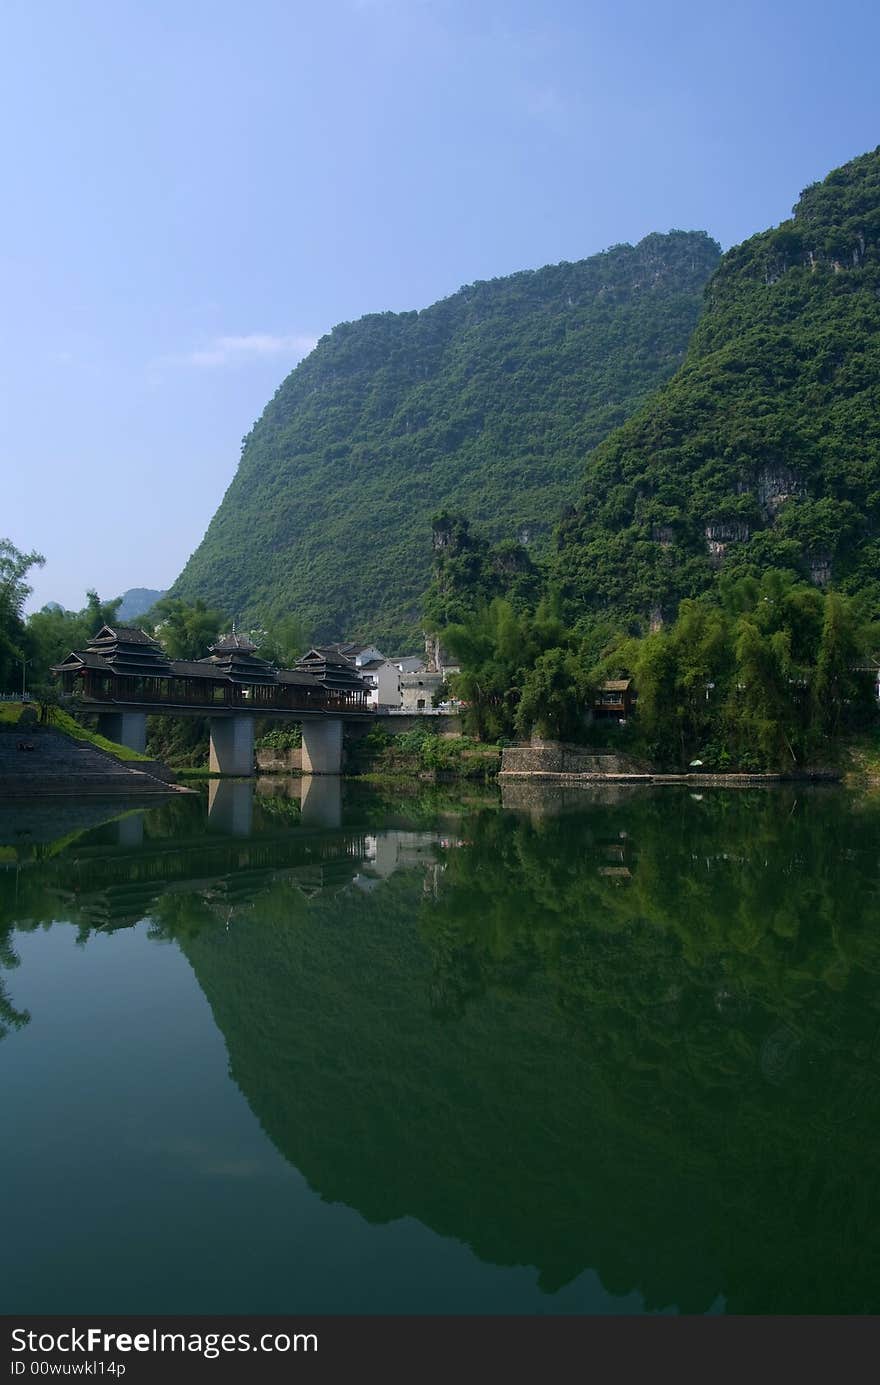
(633, 1032)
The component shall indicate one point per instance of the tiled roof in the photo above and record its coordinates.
(196, 668)
(228, 643)
(87, 659)
(298, 676)
(125, 634)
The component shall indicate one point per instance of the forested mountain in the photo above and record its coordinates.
(764, 449)
(488, 402)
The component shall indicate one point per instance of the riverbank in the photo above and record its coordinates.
(571, 765)
(51, 762)
(420, 753)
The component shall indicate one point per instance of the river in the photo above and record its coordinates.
(583, 1051)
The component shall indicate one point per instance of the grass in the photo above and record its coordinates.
(861, 758)
(59, 720)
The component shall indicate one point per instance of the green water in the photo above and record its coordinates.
(596, 1052)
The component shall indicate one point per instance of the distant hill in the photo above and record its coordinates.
(136, 601)
(764, 449)
(488, 402)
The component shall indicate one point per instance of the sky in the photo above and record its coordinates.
(196, 190)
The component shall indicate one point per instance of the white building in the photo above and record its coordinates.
(417, 690)
(383, 682)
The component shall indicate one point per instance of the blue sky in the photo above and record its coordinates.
(196, 190)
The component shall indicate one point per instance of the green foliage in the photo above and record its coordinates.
(487, 402)
(280, 738)
(469, 571)
(763, 681)
(53, 632)
(420, 749)
(504, 678)
(186, 629)
(181, 742)
(767, 440)
(61, 720)
(285, 641)
(760, 674)
(14, 591)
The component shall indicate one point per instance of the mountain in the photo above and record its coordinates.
(764, 449)
(136, 601)
(488, 402)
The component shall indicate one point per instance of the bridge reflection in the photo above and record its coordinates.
(228, 848)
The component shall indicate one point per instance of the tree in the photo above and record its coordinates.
(554, 695)
(53, 632)
(840, 687)
(98, 612)
(14, 591)
(186, 629)
(285, 641)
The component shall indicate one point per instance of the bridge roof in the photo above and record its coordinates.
(86, 658)
(123, 634)
(196, 668)
(333, 671)
(227, 644)
(298, 676)
(130, 651)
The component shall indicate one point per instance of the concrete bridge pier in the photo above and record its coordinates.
(322, 746)
(232, 745)
(125, 728)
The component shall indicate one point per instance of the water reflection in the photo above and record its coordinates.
(231, 806)
(637, 1033)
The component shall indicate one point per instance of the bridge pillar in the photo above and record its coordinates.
(232, 745)
(125, 728)
(322, 746)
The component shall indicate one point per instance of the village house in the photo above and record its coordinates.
(614, 701)
(380, 676)
(418, 689)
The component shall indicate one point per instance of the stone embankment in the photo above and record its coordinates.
(567, 764)
(270, 761)
(60, 767)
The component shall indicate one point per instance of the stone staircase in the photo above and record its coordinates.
(60, 767)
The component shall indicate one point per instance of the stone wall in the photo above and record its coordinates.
(280, 761)
(564, 759)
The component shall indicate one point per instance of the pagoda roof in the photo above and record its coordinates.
(228, 644)
(332, 670)
(330, 654)
(123, 634)
(83, 658)
(129, 652)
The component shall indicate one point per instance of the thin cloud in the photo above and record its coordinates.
(221, 351)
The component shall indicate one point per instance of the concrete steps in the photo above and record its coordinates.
(61, 767)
